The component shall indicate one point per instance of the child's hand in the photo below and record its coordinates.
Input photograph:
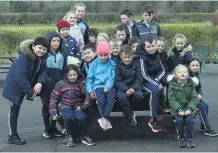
(128, 92)
(37, 88)
(199, 97)
(106, 90)
(55, 117)
(188, 112)
(132, 90)
(181, 113)
(92, 95)
(78, 108)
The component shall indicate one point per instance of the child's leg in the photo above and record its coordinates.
(138, 96)
(124, 102)
(111, 95)
(203, 114)
(180, 125)
(190, 124)
(101, 100)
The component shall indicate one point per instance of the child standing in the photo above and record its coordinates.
(181, 53)
(68, 96)
(183, 101)
(128, 81)
(69, 45)
(115, 46)
(75, 31)
(194, 68)
(152, 72)
(55, 64)
(25, 77)
(100, 82)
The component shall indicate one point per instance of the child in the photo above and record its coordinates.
(70, 47)
(133, 42)
(181, 53)
(102, 37)
(120, 34)
(183, 101)
(55, 64)
(75, 31)
(115, 46)
(25, 77)
(194, 68)
(128, 81)
(68, 96)
(148, 27)
(89, 55)
(160, 45)
(100, 82)
(152, 72)
(92, 36)
(80, 10)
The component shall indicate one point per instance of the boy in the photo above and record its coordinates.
(152, 72)
(100, 83)
(69, 45)
(26, 76)
(120, 34)
(133, 42)
(115, 46)
(128, 80)
(130, 25)
(148, 27)
(92, 36)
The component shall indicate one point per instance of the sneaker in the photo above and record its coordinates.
(15, 139)
(132, 120)
(47, 134)
(211, 133)
(102, 123)
(58, 134)
(70, 141)
(182, 143)
(64, 141)
(64, 131)
(155, 127)
(190, 143)
(108, 124)
(87, 140)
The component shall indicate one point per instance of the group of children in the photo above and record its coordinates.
(76, 66)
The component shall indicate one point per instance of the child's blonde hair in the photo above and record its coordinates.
(115, 42)
(69, 13)
(178, 68)
(104, 35)
(78, 5)
(179, 36)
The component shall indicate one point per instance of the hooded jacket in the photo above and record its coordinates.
(26, 70)
(84, 29)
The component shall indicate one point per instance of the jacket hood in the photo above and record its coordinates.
(186, 49)
(140, 52)
(188, 83)
(26, 49)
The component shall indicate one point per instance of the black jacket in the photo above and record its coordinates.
(116, 58)
(196, 79)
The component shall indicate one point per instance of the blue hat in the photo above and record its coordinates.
(51, 35)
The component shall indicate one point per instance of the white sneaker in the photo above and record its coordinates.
(109, 126)
(102, 124)
(63, 131)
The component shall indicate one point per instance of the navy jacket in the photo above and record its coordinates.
(134, 30)
(84, 29)
(152, 31)
(151, 65)
(164, 59)
(25, 71)
(116, 58)
(128, 76)
(196, 79)
(183, 57)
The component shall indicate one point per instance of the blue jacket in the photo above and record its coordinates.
(100, 75)
(25, 71)
(179, 57)
(70, 47)
(151, 65)
(84, 29)
(85, 67)
(128, 76)
(152, 31)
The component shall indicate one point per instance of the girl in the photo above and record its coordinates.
(183, 101)
(55, 63)
(102, 37)
(92, 36)
(79, 10)
(194, 68)
(75, 31)
(181, 53)
(69, 99)
(100, 82)
(25, 78)
(160, 46)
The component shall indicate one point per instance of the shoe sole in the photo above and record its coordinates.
(214, 135)
(10, 142)
(88, 144)
(191, 146)
(181, 146)
(71, 145)
(47, 137)
(156, 131)
(58, 135)
(103, 128)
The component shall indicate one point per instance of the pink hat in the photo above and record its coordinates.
(103, 47)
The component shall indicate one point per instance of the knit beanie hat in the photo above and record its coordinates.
(104, 35)
(52, 35)
(41, 41)
(103, 48)
(63, 24)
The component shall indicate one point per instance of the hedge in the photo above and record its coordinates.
(46, 18)
(204, 35)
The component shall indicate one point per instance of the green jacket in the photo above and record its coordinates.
(182, 97)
